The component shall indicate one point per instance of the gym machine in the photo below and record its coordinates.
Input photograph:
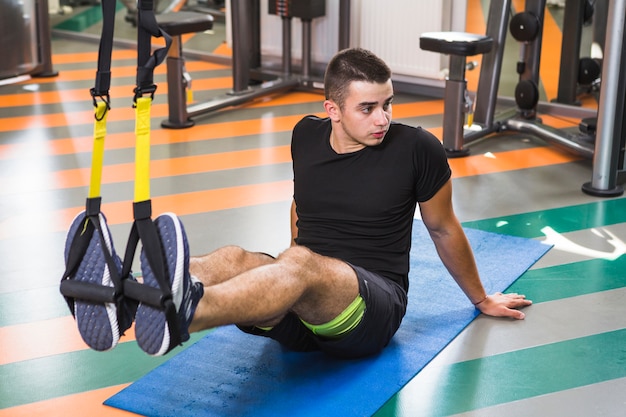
(246, 58)
(25, 39)
(586, 74)
(606, 148)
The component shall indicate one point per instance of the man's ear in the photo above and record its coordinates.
(332, 109)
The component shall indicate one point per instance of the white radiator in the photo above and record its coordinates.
(324, 34)
(391, 29)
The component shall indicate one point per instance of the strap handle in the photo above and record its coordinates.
(144, 230)
(101, 90)
(147, 61)
(97, 155)
(142, 149)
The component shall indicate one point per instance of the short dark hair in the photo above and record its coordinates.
(354, 64)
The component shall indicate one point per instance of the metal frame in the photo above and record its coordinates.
(607, 153)
(611, 130)
(245, 23)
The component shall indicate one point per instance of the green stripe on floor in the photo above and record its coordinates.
(539, 285)
(84, 19)
(563, 220)
(32, 305)
(498, 379)
(570, 280)
(70, 373)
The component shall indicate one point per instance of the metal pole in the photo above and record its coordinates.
(491, 66)
(606, 155)
(286, 45)
(570, 51)
(306, 48)
(241, 45)
(44, 40)
(533, 50)
(344, 24)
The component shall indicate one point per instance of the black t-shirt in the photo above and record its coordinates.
(359, 206)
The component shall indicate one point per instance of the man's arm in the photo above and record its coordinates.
(456, 254)
(294, 219)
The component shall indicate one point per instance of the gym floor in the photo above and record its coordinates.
(229, 178)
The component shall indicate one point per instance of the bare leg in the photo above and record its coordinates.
(225, 263)
(315, 287)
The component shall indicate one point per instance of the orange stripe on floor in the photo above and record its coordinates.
(43, 121)
(508, 161)
(77, 405)
(559, 122)
(80, 177)
(69, 75)
(223, 49)
(61, 336)
(437, 131)
(26, 223)
(39, 222)
(125, 113)
(92, 57)
(183, 166)
(164, 136)
(119, 94)
(125, 140)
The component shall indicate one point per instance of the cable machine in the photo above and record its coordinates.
(246, 59)
(606, 148)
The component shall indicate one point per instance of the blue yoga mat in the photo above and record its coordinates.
(229, 373)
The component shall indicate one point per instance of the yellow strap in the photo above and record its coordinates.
(97, 156)
(142, 149)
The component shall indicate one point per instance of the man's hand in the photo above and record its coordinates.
(504, 305)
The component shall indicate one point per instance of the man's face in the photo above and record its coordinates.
(365, 116)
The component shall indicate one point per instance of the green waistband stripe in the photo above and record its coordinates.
(343, 323)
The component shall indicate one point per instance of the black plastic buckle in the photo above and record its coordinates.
(141, 91)
(102, 96)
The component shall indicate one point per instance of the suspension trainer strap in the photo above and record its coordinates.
(100, 96)
(147, 61)
(101, 91)
(142, 148)
(144, 229)
(92, 221)
(97, 156)
(103, 75)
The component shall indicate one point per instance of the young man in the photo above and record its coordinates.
(341, 286)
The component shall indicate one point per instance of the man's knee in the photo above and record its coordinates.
(232, 253)
(304, 263)
(235, 255)
(297, 257)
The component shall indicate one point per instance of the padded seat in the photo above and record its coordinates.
(179, 23)
(456, 43)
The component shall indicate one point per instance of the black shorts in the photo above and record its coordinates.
(385, 306)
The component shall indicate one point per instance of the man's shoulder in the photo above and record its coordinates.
(312, 120)
(403, 128)
(311, 126)
(412, 134)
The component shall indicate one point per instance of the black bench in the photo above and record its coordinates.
(459, 45)
(177, 24)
